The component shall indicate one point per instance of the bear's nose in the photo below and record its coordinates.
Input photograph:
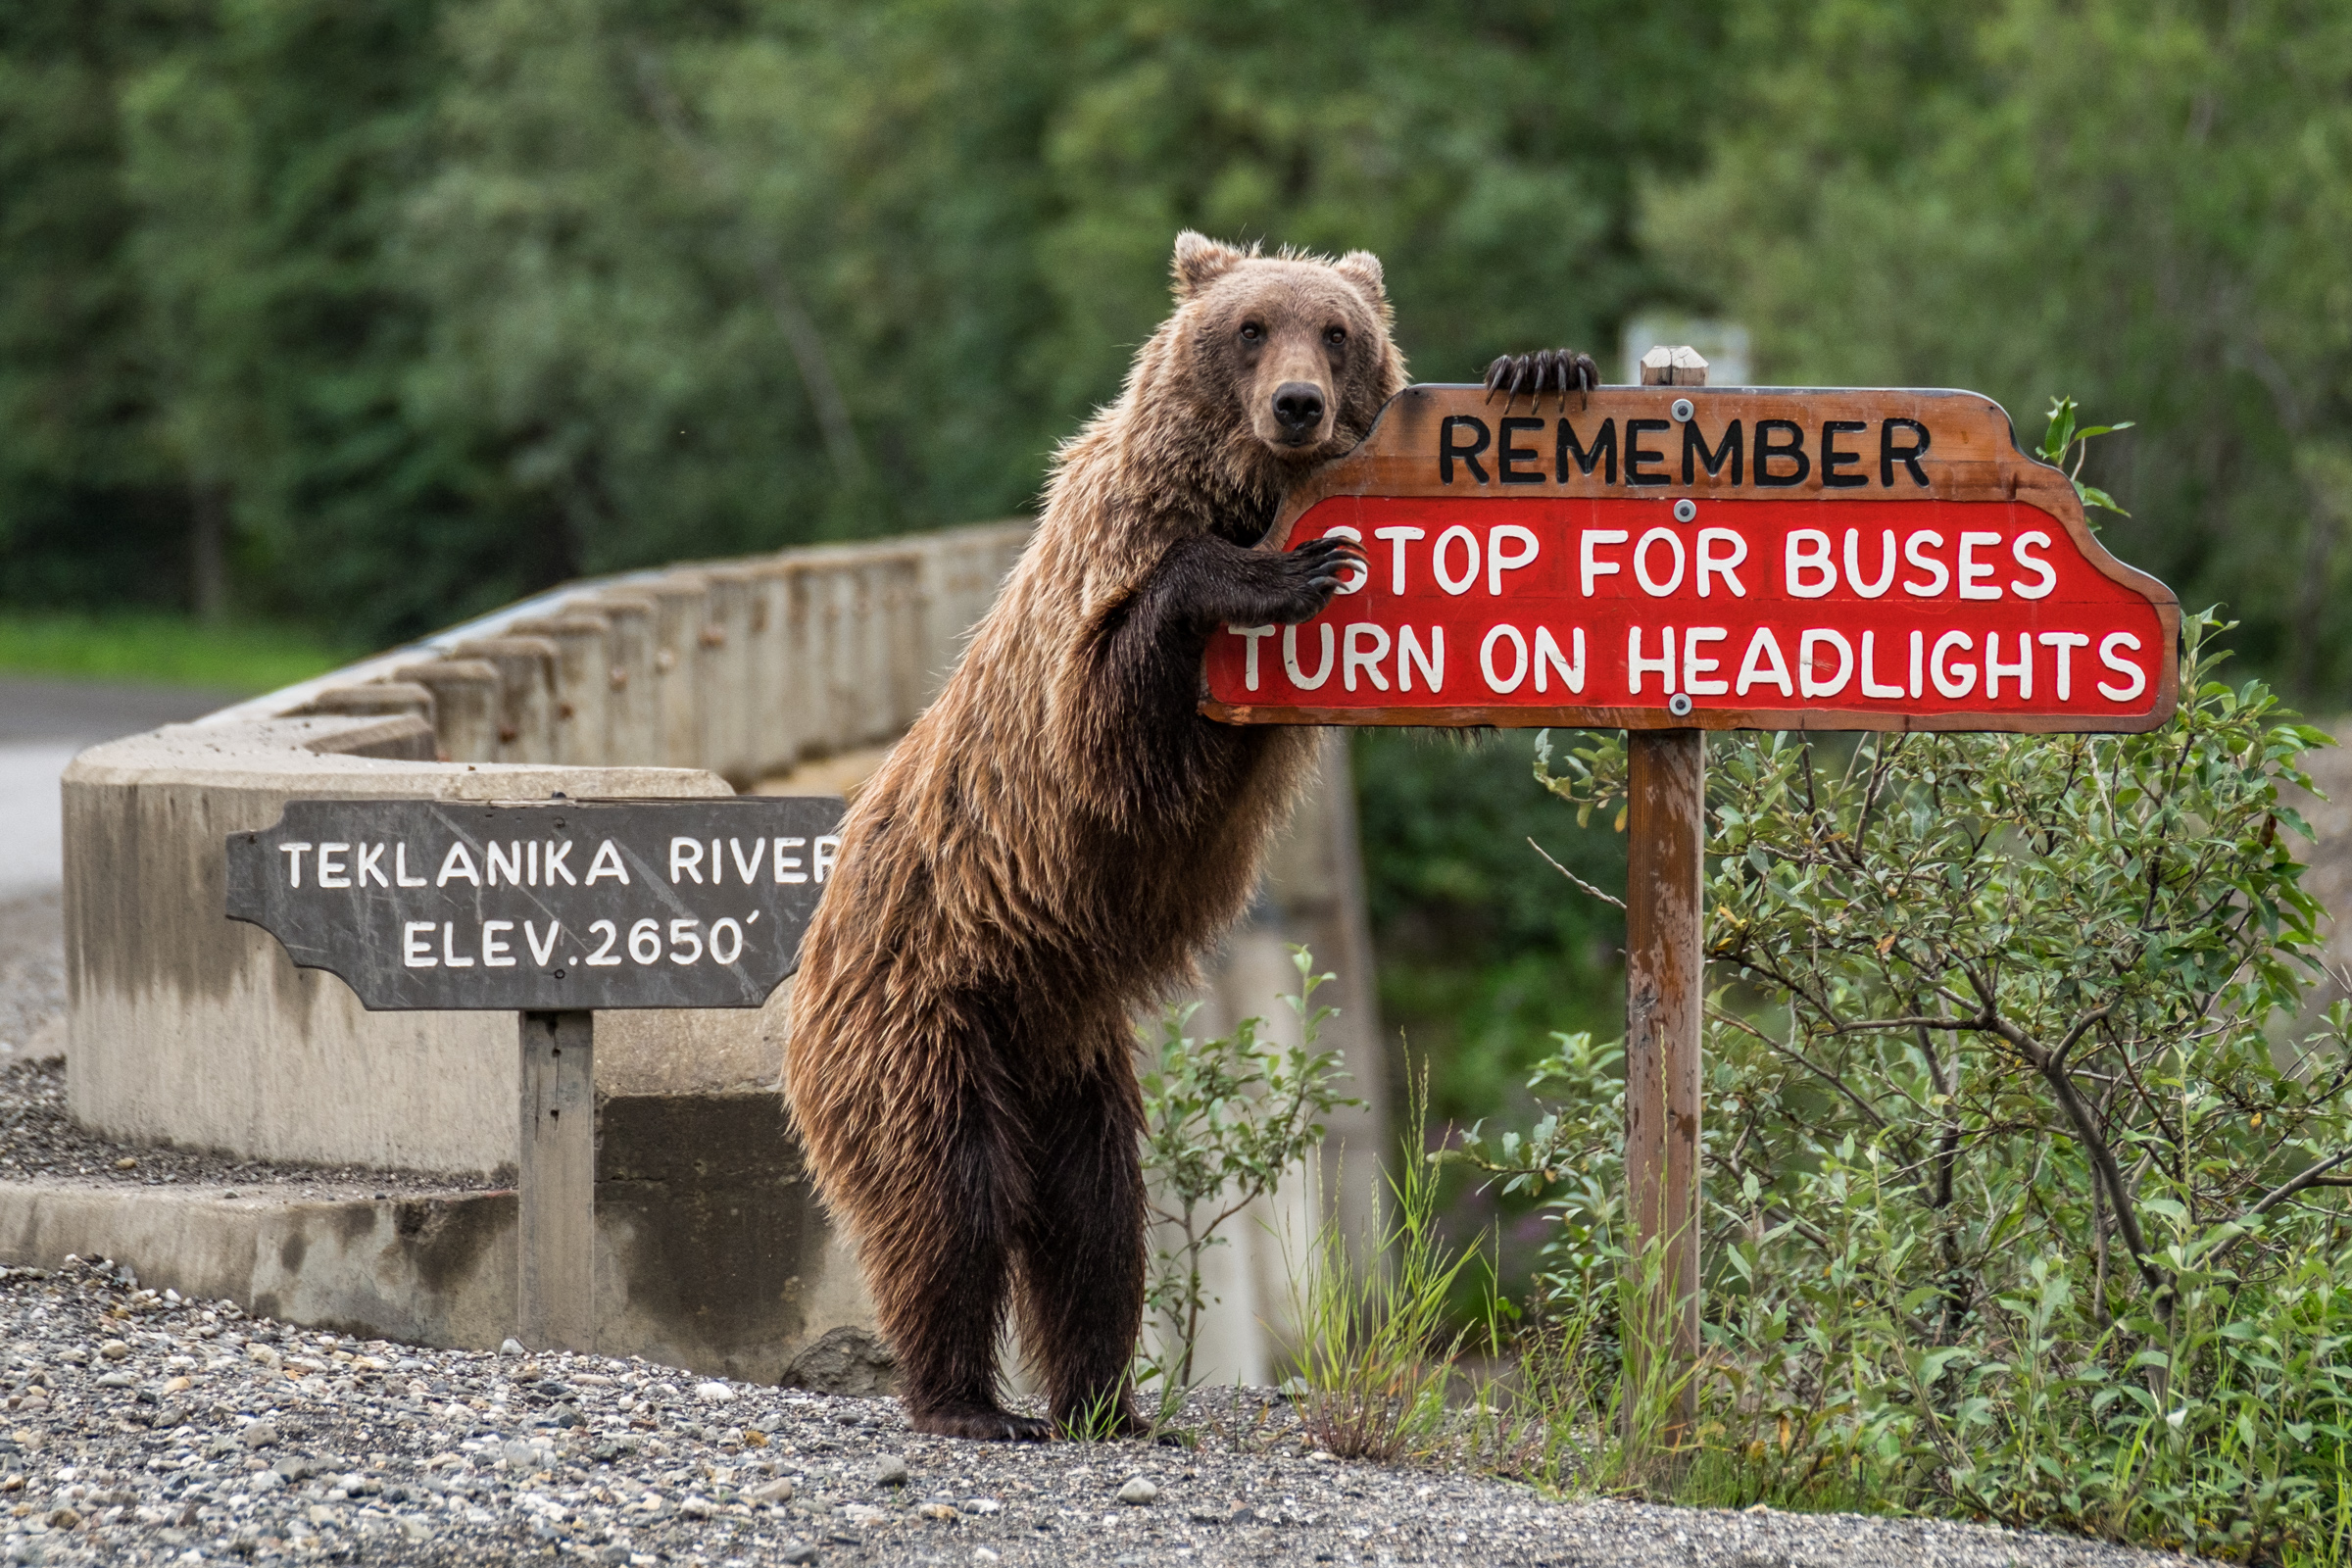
(1298, 408)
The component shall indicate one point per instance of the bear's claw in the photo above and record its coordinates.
(1325, 564)
(1329, 560)
(1561, 370)
(985, 1423)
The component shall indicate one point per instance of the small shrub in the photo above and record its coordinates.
(1225, 1119)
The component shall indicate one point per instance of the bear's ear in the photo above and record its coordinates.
(1362, 269)
(1200, 262)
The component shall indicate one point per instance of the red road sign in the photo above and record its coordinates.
(1708, 558)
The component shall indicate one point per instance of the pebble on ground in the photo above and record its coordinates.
(141, 1427)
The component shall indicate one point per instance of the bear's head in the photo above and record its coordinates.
(1286, 357)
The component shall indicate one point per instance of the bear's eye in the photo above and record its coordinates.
(1335, 335)
(1251, 331)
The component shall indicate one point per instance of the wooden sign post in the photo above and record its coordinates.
(549, 910)
(1671, 559)
(1665, 971)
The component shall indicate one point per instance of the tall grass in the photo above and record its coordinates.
(1593, 1397)
(1374, 1356)
(1588, 1402)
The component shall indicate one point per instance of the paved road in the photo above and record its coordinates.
(42, 724)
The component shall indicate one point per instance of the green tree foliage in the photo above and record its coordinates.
(604, 305)
(2147, 202)
(265, 159)
(88, 502)
(418, 304)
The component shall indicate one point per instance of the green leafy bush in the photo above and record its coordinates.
(2022, 1201)
(1224, 1121)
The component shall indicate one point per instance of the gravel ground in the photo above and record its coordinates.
(40, 1142)
(144, 1429)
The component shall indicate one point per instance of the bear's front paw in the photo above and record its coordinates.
(1296, 585)
(1561, 370)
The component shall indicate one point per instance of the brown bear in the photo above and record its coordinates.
(1059, 837)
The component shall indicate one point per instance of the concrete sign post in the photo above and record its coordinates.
(551, 911)
(1671, 559)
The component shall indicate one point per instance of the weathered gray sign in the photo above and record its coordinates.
(444, 904)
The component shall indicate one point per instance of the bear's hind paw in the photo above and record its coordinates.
(984, 1423)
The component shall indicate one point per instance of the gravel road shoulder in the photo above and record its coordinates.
(143, 1429)
(40, 1142)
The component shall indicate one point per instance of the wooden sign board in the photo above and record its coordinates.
(1709, 558)
(562, 905)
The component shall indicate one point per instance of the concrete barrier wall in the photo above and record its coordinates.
(785, 672)
(188, 1028)
(698, 680)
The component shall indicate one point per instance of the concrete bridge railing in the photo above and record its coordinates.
(781, 674)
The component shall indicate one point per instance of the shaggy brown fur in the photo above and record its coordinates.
(1059, 837)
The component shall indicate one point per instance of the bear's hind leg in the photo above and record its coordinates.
(940, 1272)
(1082, 1244)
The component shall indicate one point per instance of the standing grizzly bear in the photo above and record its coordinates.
(1059, 837)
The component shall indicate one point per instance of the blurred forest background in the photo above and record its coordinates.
(355, 318)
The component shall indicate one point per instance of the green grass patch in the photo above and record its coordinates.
(164, 650)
